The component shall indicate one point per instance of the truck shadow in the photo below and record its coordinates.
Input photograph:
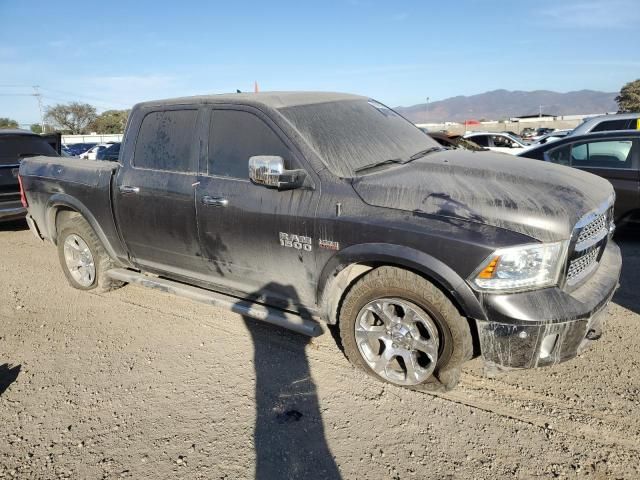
(8, 375)
(628, 238)
(289, 434)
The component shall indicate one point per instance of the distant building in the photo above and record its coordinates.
(538, 117)
(548, 117)
(91, 138)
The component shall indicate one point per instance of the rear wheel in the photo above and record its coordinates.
(400, 328)
(83, 259)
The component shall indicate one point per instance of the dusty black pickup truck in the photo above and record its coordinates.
(308, 208)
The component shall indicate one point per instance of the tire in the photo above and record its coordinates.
(403, 314)
(77, 234)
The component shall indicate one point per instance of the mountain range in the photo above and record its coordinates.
(503, 104)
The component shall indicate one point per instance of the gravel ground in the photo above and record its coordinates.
(137, 383)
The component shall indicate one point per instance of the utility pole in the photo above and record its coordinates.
(540, 111)
(38, 95)
(426, 111)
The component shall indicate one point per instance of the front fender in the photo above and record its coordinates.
(330, 287)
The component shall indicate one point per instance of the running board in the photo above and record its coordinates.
(256, 311)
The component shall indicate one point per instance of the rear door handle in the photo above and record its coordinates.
(129, 189)
(215, 201)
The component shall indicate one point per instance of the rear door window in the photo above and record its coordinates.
(237, 135)
(603, 154)
(166, 141)
(611, 125)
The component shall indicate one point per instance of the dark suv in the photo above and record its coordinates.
(611, 155)
(15, 145)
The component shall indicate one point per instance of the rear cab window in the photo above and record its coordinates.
(166, 141)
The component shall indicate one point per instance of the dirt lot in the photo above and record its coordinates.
(136, 383)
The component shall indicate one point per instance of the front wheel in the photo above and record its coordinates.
(399, 327)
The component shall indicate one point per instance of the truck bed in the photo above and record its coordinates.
(51, 183)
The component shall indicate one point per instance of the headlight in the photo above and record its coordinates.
(521, 268)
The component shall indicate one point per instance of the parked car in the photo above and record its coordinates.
(300, 208)
(539, 133)
(110, 153)
(92, 153)
(603, 123)
(456, 141)
(77, 149)
(14, 146)
(611, 155)
(513, 134)
(527, 133)
(498, 142)
(551, 137)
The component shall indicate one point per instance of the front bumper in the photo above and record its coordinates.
(12, 211)
(545, 327)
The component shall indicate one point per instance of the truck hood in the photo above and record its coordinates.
(532, 197)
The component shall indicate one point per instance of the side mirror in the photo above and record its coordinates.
(269, 171)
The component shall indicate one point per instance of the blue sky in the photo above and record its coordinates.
(113, 54)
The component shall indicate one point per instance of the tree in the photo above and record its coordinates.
(629, 98)
(110, 121)
(73, 117)
(36, 128)
(8, 123)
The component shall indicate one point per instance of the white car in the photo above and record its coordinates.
(498, 142)
(93, 152)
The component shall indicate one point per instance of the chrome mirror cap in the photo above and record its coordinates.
(266, 170)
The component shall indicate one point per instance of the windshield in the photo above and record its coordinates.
(349, 135)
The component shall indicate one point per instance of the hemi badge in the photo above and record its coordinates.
(329, 245)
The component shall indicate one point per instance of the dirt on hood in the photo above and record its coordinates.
(538, 199)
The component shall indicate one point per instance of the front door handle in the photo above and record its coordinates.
(129, 189)
(215, 201)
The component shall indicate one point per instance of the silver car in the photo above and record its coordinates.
(602, 123)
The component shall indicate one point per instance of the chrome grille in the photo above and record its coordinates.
(582, 265)
(594, 229)
(590, 238)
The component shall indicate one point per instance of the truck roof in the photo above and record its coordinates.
(16, 131)
(270, 99)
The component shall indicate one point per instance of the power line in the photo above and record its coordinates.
(101, 100)
(68, 96)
